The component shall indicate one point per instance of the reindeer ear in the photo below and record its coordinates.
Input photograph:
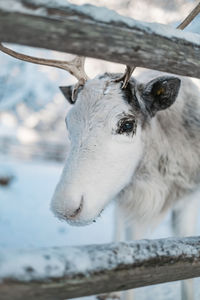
(67, 92)
(160, 93)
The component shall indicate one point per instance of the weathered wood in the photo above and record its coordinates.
(60, 273)
(100, 33)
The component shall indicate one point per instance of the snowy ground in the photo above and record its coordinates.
(27, 222)
(25, 217)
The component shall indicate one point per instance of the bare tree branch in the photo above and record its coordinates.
(68, 272)
(99, 33)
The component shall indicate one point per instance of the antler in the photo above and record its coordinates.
(190, 17)
(126, 76)
(129, 69)
(74, 67)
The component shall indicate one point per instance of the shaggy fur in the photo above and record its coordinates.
(165, 151)
(170, 166)
(148, 169)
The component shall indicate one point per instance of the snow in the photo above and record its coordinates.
(26, 221)
(105, 15)
(27, 224)
(24, 210)
(58, 262)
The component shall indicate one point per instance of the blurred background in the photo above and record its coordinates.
(34, 143)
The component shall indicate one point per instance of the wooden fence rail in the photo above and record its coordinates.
(99, 33)
(68, 272)
(60, 273)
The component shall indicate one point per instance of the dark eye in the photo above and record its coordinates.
(127, 126)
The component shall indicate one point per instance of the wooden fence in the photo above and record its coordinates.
(69, 272)
(99, 33)
(60, 273)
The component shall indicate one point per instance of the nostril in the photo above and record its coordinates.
(78, 210)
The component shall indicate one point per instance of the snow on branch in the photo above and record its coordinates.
(100, 33)
(68, 272)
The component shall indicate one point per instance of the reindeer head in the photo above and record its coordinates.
(106, 127)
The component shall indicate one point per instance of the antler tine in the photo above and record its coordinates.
(190, 17)
(126, 76)
(74, 67)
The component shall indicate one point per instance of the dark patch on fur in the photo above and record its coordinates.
(142, 173)
(129, 95)
(163, 164)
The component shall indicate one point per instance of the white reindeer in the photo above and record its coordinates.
(133, 146)
(138, 146)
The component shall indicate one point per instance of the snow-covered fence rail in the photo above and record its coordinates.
(100, 33)
(61, 273)
(69, 272)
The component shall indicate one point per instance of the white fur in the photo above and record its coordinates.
(100, 163)
(148, 173)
